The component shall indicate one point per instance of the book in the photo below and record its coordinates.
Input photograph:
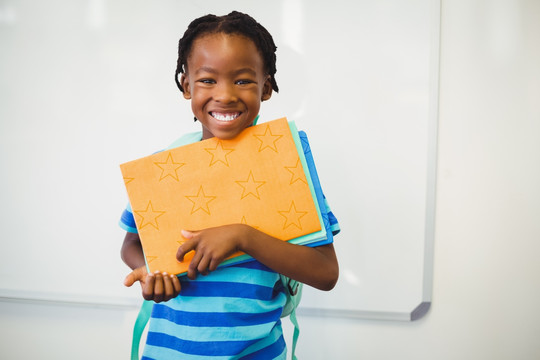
(260, 178)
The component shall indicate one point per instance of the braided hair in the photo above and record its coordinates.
(233, 23)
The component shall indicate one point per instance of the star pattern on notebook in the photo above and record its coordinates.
(200, 201)
(149, 216)
(169, 168)
(292, 216)
(245, 222)
(127, 180)
(219, 154)
(251, 186)
(268, 140)
(297, 172)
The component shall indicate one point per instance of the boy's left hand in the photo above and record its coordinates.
(211, 246)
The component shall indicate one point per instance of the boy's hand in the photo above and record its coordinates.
(211, 246)
(157, 287)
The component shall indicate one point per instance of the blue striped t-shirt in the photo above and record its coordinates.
(232, 313)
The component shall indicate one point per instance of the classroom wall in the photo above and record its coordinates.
(486, 286)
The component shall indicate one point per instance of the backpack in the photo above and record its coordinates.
(293, 291)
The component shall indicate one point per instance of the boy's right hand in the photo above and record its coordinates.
(157, 286)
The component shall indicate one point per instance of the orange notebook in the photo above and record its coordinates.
(256, 178)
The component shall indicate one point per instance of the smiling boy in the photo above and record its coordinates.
(227, 67)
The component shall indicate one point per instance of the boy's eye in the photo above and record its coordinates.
(243, 82)
(207, 81)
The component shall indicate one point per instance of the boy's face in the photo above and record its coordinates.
(226, 82)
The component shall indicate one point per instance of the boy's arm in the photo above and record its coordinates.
(132, 253)
(158, 286)
(317, 267)
(314, 266)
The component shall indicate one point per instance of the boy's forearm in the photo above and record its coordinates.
(317, 267)
(132, 253)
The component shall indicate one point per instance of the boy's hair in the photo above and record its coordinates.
(233, 23)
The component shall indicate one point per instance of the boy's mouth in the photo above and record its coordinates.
(225, 116)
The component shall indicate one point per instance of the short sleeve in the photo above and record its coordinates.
(127, 221)
(332, 220)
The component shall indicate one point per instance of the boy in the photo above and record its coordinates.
(226, 66)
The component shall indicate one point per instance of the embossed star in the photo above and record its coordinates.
(245, 222)
(149, 216)
(292, 216)
(200, 201)
(268, 140)
(219, 154)
(169, 168)
(297, 172)
(251, 186)
(127, 180)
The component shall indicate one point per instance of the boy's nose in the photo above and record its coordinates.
(225, 93)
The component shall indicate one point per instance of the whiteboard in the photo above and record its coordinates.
(88, 84)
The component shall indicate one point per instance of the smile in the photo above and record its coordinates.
(225, 116)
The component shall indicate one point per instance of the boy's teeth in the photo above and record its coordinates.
(225, 117)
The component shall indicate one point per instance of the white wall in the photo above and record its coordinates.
(486, 275)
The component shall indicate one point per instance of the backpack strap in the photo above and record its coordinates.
(296, 333)
(138, 329)
(293, 290)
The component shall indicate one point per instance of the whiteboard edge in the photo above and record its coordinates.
(415, 314)
(57, 299)
(118, 303)
(431, 190)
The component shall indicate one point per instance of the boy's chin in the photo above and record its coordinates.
(224, 132)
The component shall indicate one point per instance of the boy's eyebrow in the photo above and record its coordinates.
(211, 70)
(245, 70)
(205, 69)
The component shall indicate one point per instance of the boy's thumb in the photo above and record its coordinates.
(130, 279)
(187, 234)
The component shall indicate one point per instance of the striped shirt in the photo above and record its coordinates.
(232, 313)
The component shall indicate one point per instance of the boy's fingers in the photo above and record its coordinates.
(133, 276)
(148, 288)
(168, 286)
(193, 265)
(129, 280)
(184, 249)
(176, 284)
(187, 234)
(159, 287)
(203, 266)
(214, 264)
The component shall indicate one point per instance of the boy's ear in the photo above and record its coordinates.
(267, 90)
(184, 81)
